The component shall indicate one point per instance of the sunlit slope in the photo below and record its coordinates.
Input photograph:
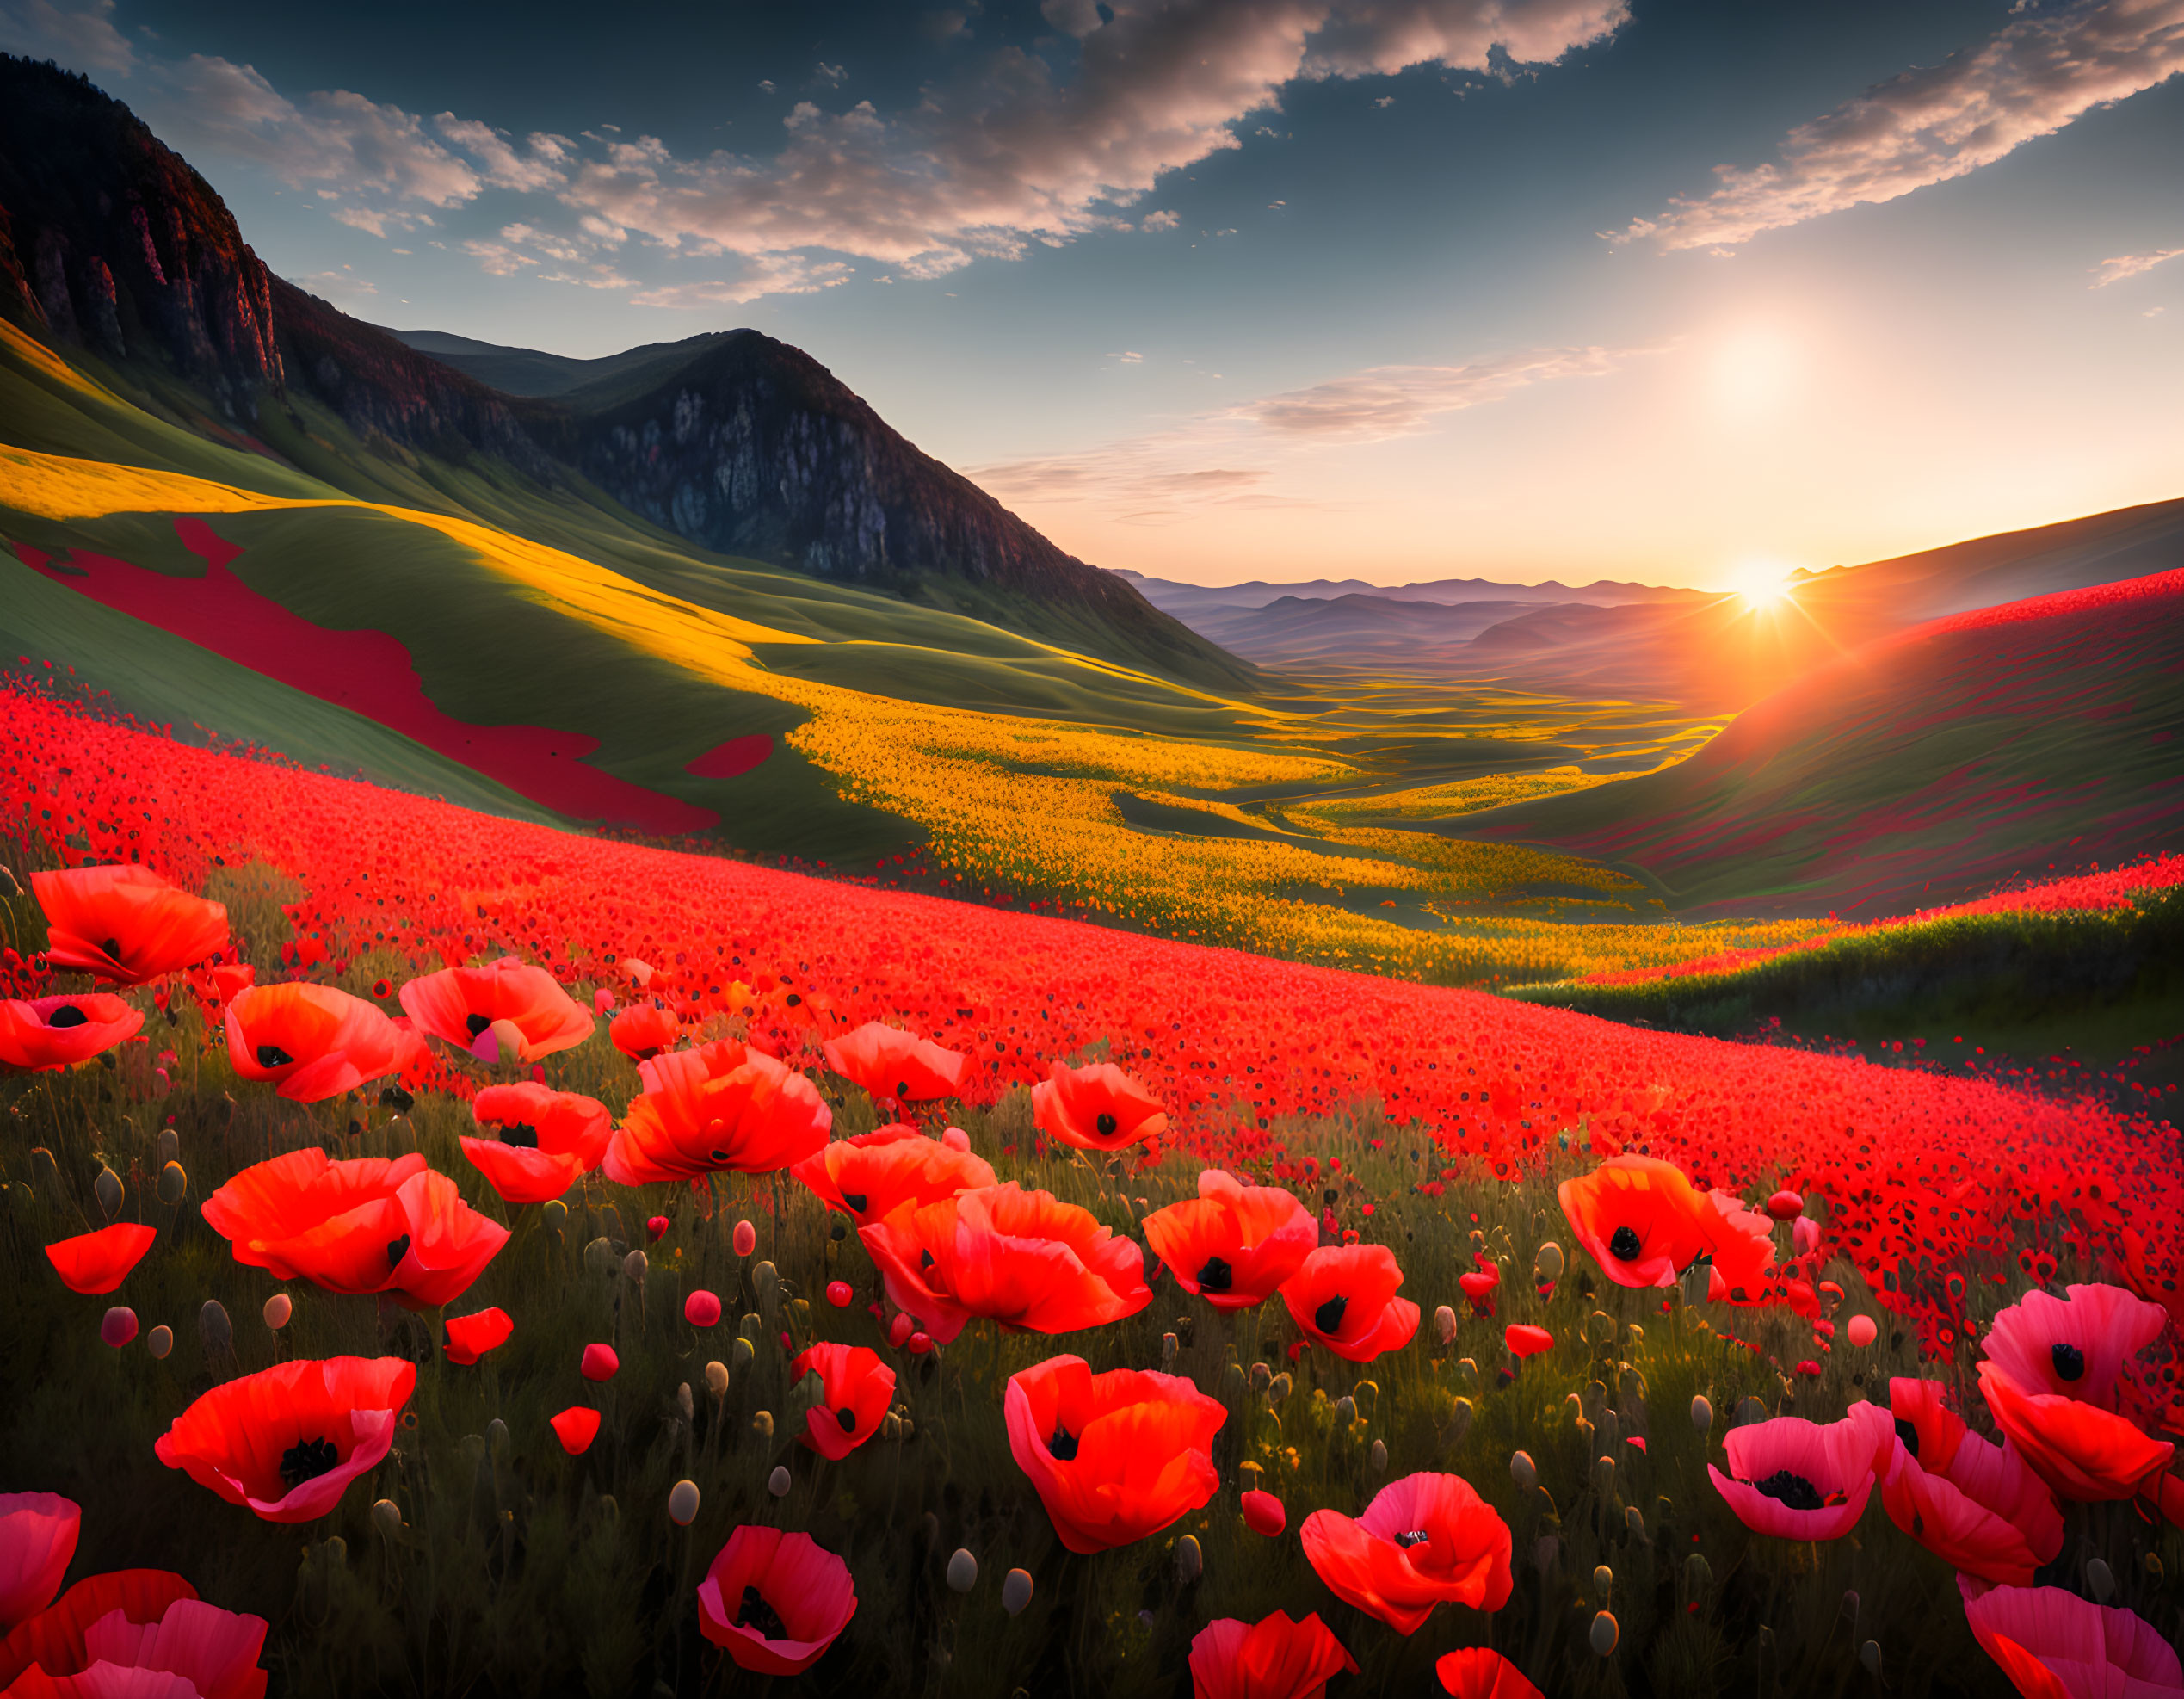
(1919, 769)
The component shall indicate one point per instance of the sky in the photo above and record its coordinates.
(1215, 290)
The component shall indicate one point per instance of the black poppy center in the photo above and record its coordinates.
(857, 1201)
(1063, 1446)
(273, 1056)
(1216, 1277)
(397, 1249)
(847, 1418)
(2069, 1360)
(307, 1460)
(1106, 1123)
(1416, 1537)
(925, 1259)
(762, 1617)
(1793, 1490)
(720, 1157)
(1623, 1244)
(521, 1133)
(68, 1015)
(478, 1023)
(1327, 1318)
(902, 1088)
(113, 948)
(1909, 1436)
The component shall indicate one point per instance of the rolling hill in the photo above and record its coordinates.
(1922, 768)
(532, 372)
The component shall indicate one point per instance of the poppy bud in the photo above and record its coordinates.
(278, 1308)
(107, 1188)
(746, 1238)
(761, 1423)
(214, 1329)
(766, 1282)
(1548, 1262)
(1786, 1206)
(1168, 1347)
(159, 1342)
(120, 1326)
(1862, 1331)
(174, 1184)
(1604, 1634)
(717, 1379)
(555, 1215)
(1379, 1456)
(45, 1172)
(1702, 1413)
(1232, 1381)
(839, 1293)
(1016, 1590)
(1262, 1378)
(1190, 1562)
(170, 1144)
(1603, 1584)
(1637, 1336)
(496, 1437)
(1634, 1523)
(963, 1572)
(682, 1502)
(956, 1139)
(778, 1482)
(1445, 1324)
(743, 1352)
(1870, 1655)
(1278, 1388)
(892, 1427)
(920, 1343)
(599, 1362)
(1523, 1471)
(2100, 1581)
(1345, 1411)
(636, 1266)
(701, 1308)
(1600, 1328)
(1604, 1476)
(2154, 1571)
(1698, 1576)
(1265, 1514)
(1804, 1236)
(386, 1517)
(1459, 1425)
(1749, 1409)
(599, 1255)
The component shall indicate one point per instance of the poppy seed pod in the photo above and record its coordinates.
(2100, 1581)
(159, 1342)
(1167, 1348)
(1523, 1471)
(1604, 1634)
(743, 1351)
(1870, 1655)
(1345, 1411)
(1603, 1584)
(107, 1188)
(766, 1282)
(1379, 1456)
(278, 1308)
(599, 1255)
(1278, 1388)
(963, 1572)
(635, 1267)
(1634, 1523)
(174, 1184)
(170, 1144)
(555, 1215)
(1190, 1561)
(1702, 1413)
(1698, 1576)
(682, 1502)
(1548, 1261)
(761, 1423)
(717, 1379)
(119, 1326)
(214, 1329)
(1261, 1377)
(1016, 1590)
(1459, 1425)
(1604, 1476)
(778, 1482)
(685, 1405)
(386, 1517)
(46, 1172)
(1445, 1324)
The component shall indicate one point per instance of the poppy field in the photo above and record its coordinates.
(454, 1255)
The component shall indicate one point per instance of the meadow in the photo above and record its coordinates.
(533, 1525)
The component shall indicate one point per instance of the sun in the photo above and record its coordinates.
(1762, 584)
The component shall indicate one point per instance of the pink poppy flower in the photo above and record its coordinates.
(134, 1633)
(2053, 1644)
(1979, 1506)
(776, 1601)
(1797, 1480)
(2075, 1349)
(37, 1538)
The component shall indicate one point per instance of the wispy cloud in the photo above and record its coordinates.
(2035, 75)
(2129, 265)
(80, 36)
(1384, 401)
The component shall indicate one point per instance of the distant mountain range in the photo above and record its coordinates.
(734, 441)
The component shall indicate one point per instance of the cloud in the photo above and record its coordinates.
(2129, 265)
(765, 274)
(2031, 78)
(832, 75)
(501, 165)
(336, 286)
(1157, 221)
(81, 37)
(377, 220)
(1387, 401)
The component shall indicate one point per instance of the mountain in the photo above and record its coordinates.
(1188, 602)
(531, 372)
(741, 444)
(1925, 767)
(1374, 630)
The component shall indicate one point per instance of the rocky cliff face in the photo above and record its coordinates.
(109, 240)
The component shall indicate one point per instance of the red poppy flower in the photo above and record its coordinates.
(1423, 1539)
(1525, 1341)
(776, 1601)
(367, 1225)
(576, 1428)
(643, 1030)
(459, 1004)
(1024, 1259)
(2053, 1644)
(599, 1363)
(1973, 1503)
(889, 1062)
(1645, 1223)
(125, 923)
(311, 1041)
(721, 1106)
(2074, 1349)
(2085, 1453)
(1233, 1244)
(106, 1626)
(1803, 1480)
(288, 1440)
(874, 1174)
(1344, 1298)
(38, 1534)
(1263, 1513)
(543, 1141)
(58, 1032)
(856, 1388)
(1479, 1672)
(1098, 1108)
(96, 1264)
(468, 1337)
(1271, 1658)
(1928, 1427)
(1116, 1456)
